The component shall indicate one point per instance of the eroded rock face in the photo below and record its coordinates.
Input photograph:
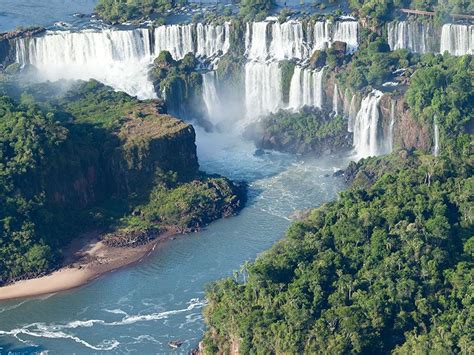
(7, 52)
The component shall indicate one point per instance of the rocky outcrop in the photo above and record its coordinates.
(7, 52)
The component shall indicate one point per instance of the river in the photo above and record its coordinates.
(139, 309)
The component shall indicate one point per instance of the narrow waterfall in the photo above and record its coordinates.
(257, 46)
(436, 139)
(417, 37)
(263, 91)
(288, 41)
(347, 31)
(177, 39)
(210, 96)
(366, 126)
(457, 39)
(306, 88)
(352, 114)
(212, 39)
(335, 100)
(117, 58)
(389, 146)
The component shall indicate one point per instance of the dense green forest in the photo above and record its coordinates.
(95, 159)
(124, 10)
(388, 267)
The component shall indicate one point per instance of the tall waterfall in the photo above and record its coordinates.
(417, 37)
(176, 39)
(306, 88)
(263, 90)
(335, 100)
(457, 39)
(436, 139)
(320, 35)
(212, 39)
(366, 126)
(117, 58)
(211, 96)
(256, 37)
(352, 114)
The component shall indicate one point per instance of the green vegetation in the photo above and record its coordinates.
(388, 267)
(177, 81)
(95, 159)
(255, 9)
(307, 131)
(125, 10)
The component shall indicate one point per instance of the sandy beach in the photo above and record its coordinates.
(84, 263)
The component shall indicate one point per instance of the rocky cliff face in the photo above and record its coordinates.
(7, 49)
(123, 162)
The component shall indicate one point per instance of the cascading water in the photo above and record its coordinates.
(352, 114)
(417, 37)
(288, 41)
(306, 88)
(211, 97)
(256, 37)
(321, 35)
(457, 39)
(347, 32)
(212, 39)
(176, 39)
(117, 58)
(335, 100)
(263, 93)
(436, 139)
(389, 147)
(366, 126)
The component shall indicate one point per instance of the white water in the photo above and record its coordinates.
(263, 94)
(288, 40)
(306, 88)
(352, 114)
(414, 36)
(347, 32)
(335, 100)
(366, 126)
(117, 58)
(211, 97)
(212, 39)
(436, 139)
(457, 39)
(177, 39)
(389, 147)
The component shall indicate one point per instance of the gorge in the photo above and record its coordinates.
(293, 85)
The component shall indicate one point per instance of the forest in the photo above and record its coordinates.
(388, 267)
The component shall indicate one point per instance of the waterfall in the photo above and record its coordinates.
(335, 100)
(347, 31)
(306, 88)
(352, 114)
(257, 41)
(288, 41)
(210, 96)
(176, 39)
(279, 41)
(212, 39)
(414, 36)
(457, 39)
(321, 35)
(366, 126)
(263, 91)
(436, 139)
(389, 147)
(117, 58)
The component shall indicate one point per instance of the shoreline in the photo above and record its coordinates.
(83, 265)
